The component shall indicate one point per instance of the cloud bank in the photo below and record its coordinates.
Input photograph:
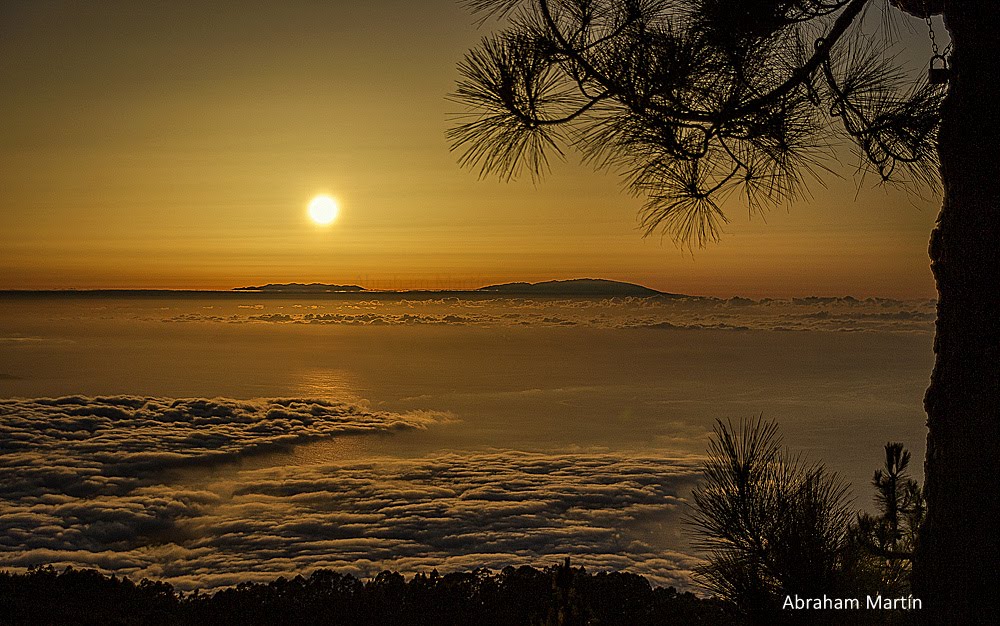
(84, 447)
(82, 483)
(844, 314)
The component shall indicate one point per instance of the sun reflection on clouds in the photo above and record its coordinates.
(327, 384)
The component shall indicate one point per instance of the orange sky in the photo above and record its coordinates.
(146, 145)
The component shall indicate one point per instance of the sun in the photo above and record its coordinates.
(323, 210)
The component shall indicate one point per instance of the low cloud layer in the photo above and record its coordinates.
(845, 314)
(83, 484)
(85, 447)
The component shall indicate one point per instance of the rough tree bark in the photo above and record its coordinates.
(957, 565)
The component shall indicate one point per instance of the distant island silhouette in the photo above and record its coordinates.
(576, 287)
(302, 288)
(572, 287)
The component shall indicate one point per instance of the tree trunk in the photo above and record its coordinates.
(957, 565)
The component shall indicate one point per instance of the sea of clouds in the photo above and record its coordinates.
(132, 485)
(841, 314)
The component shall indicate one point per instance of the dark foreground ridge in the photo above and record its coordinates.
(513, 596)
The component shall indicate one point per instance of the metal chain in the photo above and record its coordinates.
(930, 30)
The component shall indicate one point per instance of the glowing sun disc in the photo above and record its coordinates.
(323, 209)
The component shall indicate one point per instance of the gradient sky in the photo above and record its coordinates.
(177, 144)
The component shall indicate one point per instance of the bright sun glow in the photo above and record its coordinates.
(323, 209)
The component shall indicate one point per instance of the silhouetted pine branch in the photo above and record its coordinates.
(772, 526)
(691, 101)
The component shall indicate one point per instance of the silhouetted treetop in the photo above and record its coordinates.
(513, 596)
(692, 100)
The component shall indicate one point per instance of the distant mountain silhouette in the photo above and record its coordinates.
(572, 287)
(576, 287)
(302, 288)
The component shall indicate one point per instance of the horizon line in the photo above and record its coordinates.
(70, 291)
